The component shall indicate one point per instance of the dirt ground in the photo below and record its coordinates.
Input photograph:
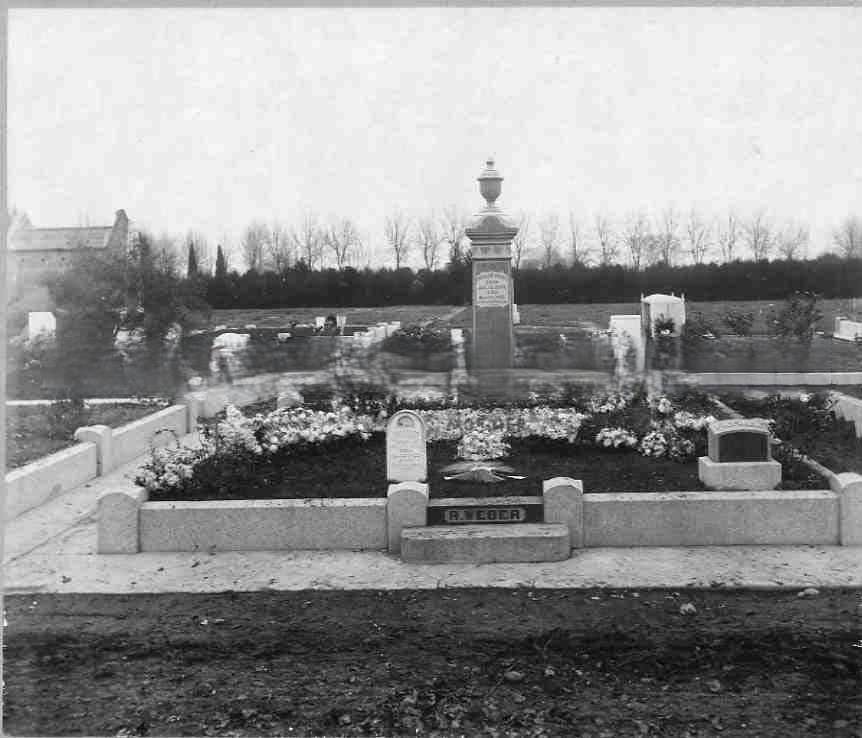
(436, 663)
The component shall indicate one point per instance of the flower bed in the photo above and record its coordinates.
(805, 425)
(623, 442)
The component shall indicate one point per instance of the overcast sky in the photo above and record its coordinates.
(207, 119)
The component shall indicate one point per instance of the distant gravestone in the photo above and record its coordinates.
(743, 439)
(41, 323)
(406, 452)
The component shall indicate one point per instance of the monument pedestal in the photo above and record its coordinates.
(491, 235)
(493, 340)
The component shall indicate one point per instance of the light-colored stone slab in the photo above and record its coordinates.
(135, 439)
(739, 475)
(406, 448)
(406, 507)
(850, 493)
(41, 323)
(288, 398)
(563, 499)
(263, 525)
(849, 408)
(483, 544)
(772, 517)
(118, 521)
(39, 481)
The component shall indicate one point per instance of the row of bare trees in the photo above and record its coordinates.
(431, 241)
(671, 238)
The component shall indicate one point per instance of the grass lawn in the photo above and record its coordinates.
(36, 431)
(594, 315)
(490, 662)
(278, 317)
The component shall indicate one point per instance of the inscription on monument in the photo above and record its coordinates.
(406, 453)
(492, 289)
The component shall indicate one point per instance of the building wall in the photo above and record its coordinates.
(27, 267)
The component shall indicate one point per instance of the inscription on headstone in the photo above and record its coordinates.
(476, 511)
(406, 453)
(744, 439)
(492, 289)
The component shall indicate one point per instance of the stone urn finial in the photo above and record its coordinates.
(489, 184)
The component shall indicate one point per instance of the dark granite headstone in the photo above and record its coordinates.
(743, 439)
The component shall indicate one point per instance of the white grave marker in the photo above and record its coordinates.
(41, 323)
(406, 452)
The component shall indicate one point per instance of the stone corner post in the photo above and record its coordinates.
(563, 500)
(849, 492)
(406, 507)
(118, 527)
(103, 437)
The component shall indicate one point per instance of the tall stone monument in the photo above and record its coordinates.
(491, 233)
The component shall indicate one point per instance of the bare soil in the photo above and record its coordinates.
(490, 662)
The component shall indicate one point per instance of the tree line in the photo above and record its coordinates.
(830, 276)
(428, 242)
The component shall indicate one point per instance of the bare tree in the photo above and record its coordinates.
(521, 240)
(667, 244)
(636, 238)
(578, 248)
(397, 230)
(848, 237)
(253, 245)
(428, 238)
(342, 238)
(279, 247)
(759, 236)
(453, 224)
(697, 231)
(792, 241)
(308, 240)
(728, 237)
(607, 240)
(549, 235)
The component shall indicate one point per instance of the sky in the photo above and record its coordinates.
(208, 119)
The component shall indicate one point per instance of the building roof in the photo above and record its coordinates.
(59, 239)
(661, 298)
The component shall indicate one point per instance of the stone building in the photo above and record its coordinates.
(35, 253)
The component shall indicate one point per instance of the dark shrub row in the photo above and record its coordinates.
(829, 276)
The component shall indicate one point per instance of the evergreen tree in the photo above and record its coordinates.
(221, 264)
(192, 270)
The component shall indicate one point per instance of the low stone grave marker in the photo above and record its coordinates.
(485, 511)
(739, 456)
(739, 439)
(406, 449)
(41, 323)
